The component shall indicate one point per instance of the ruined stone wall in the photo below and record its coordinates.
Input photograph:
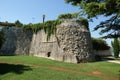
(74, 39)
(17, 42)
(71, 43)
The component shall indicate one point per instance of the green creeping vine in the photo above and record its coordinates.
(49, 27)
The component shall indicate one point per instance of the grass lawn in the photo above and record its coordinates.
(34, 68)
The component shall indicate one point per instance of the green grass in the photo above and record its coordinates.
(34, 68)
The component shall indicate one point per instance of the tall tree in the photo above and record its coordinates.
(94, 8)
(18, 23)
(43, 16)
(115, 45)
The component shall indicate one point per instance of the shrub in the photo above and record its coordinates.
(99, 44)
(115, 45)
(7, 24)
(49, 27)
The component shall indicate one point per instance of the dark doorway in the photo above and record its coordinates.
(48, 54)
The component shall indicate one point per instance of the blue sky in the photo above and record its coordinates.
(31, 11)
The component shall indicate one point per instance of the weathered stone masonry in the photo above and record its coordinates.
(71, 43)
(18, 41)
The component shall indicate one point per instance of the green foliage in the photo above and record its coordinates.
(73, 2)
(49, 27)
(69, 16)
(94, 8)
(116, 46)
(75, 16)
(99, 44)
(2, 38)
(97, 7)
(119, 42)
(7, 24)
(84, 22)
(112, 26)
(18, 23)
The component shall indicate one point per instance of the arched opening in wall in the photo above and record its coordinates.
(48, 54)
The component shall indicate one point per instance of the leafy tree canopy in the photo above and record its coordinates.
(7, 24)
(18, 23)
(99, 44)
(116, 46)
(69, 16)
(75, 16)
(94, 8)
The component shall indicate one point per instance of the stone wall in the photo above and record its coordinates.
(17, 42)
(74, 39)
(103, 52)
(72, 43)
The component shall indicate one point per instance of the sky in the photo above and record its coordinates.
(31, 11)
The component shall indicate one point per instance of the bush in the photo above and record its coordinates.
(115, 45)
(99, 44)
(7, 24)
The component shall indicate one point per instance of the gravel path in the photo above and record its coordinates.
(112, 61)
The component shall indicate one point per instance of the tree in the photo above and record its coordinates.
(75, 16)
(18, 23)
(99, 44)
(69, 16)
(7, 24)
(119, 41)
(43, 16)
(94, 8)
(115, 45)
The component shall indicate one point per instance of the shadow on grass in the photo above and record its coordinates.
(14, 68)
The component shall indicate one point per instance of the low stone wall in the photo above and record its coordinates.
(103, 52)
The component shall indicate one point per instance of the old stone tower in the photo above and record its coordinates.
(71, 43)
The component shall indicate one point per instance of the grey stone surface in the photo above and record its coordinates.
(72, 43)
(103, 52)
(74, 39)
(17, 42)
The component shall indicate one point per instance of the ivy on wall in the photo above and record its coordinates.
(49, 27)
